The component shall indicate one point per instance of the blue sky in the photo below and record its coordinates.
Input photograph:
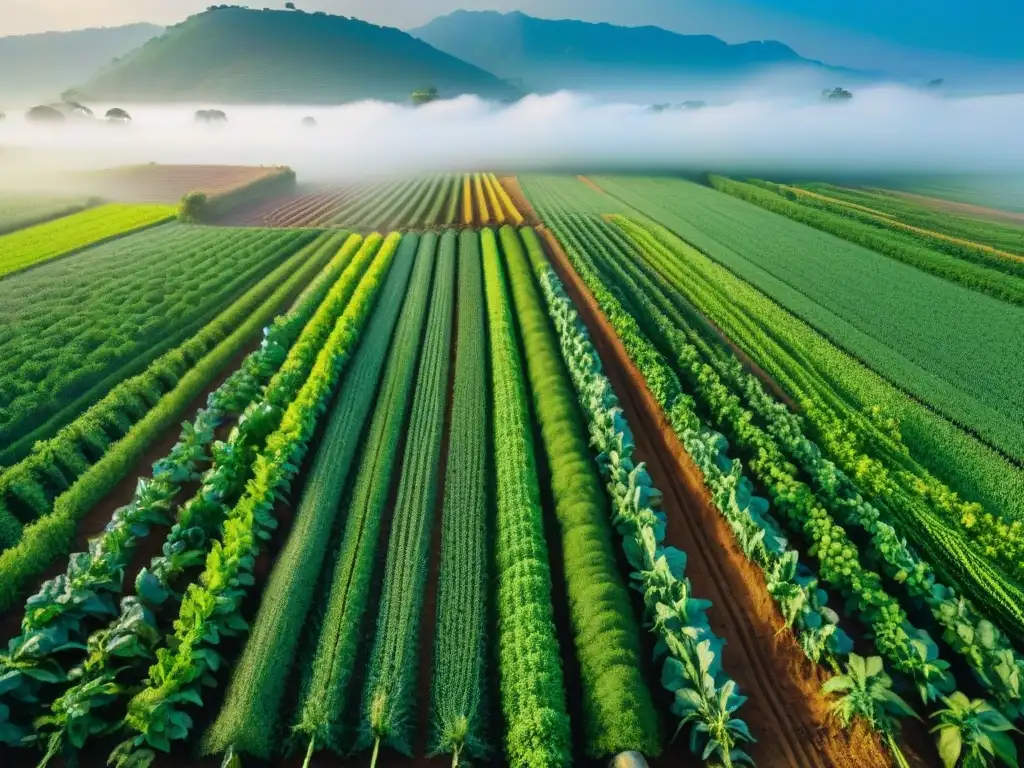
(913, 36)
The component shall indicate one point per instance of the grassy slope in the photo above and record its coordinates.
(238, 55)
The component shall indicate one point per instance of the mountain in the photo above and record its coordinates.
(236, 55)
(548, 55)
(37, 68)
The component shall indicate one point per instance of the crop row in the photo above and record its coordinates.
(974, 266)
(611, 259)
(70, 234)
(73, 329)
(18, 212)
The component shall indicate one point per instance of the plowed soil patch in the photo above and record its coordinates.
(786, 711)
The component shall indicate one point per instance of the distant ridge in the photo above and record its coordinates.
(235, 55)
(38, 68)
(548, 55)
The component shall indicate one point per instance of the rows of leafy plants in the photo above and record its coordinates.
(327, 686)
(983, 646)
(467, 201)
(909, 649)
(61, 615)
(533, 699)
(504, 200)
(21, 211)
(388, 704)
(73, 329)
(210, 610)
(458, 704)
(618, 713)
(973, 265)
(70, 234)
(91, 459)
(688, 647)
(251, 720)
(29, 488)
(483, 211)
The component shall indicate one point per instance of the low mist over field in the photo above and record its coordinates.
(888, 130)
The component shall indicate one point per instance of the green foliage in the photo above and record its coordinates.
(848, 294)
(423, 96)
(689, 651)
(183, 375)
(193, 207)
(457, 708)
(60, 615)
(986, 649)
(865, 692)
(71, 330)
(529, 666)
(973, 734)
(211, 606)
(249, 721)
(618, 712)
(18, 212)
(326, 691)
(238, 55)
(389, 700)
(972, 268)
(73, 233)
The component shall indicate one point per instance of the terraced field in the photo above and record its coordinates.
(423, 484)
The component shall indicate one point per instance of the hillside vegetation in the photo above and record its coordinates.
(37, 68)
(236, 55)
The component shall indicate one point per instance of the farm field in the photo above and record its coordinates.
(847, 292)
(18, 211)
(155, 183)
(380, 474)
(68, 234)
(426, 202)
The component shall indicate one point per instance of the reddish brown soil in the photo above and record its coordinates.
(312, 208)
(592, 184)
(786, 711)
(155, 183)
(963, 209)
(511, 185)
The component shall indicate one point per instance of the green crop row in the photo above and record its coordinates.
(72, 330)
(250, 719)
(32, 485)
(618, 714)
(211, 606)
(689, 652)
(326, 691)
(984, 648)
(19, 212)
(52, 535)
(388, 709)
(970, 267)
(458, 703)
(848, 293)
(70, 234)
(529, 667)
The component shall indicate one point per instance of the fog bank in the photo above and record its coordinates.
(882, 130)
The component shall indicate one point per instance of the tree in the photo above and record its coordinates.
(45, 114)
(290, 6)
(193, 207)
(211, 116)
(118, 115)
(309, 122)
(424, 96)
(836, 94)
(938, 82)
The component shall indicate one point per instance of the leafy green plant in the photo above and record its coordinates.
(865, 692)
(973, 734)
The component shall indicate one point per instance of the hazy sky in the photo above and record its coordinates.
(919, 34)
